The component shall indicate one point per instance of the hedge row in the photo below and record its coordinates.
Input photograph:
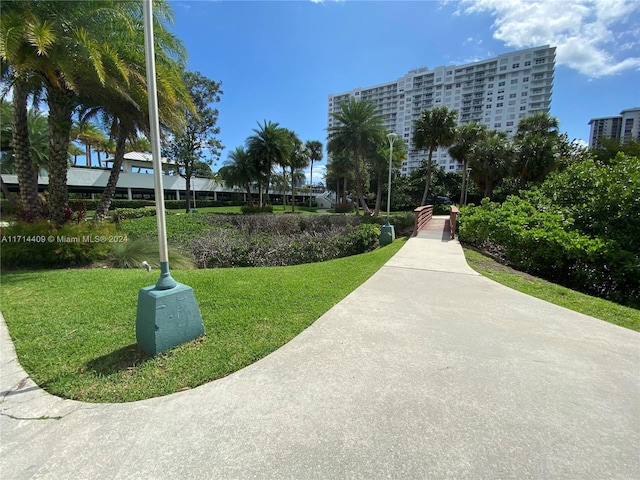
(545, 243)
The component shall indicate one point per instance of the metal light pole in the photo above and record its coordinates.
(168, 312)
(387, 232)
(392, 138)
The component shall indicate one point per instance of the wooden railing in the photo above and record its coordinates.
(452, 221)
(423, 215)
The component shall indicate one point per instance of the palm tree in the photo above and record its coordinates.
(537, 141)
(360, 132)
(239, 171)
(380, 165)
(314, 148)
(491, 160)
(435, 128)
(268, 146)
(88, 133)
(466, 138)
(81, 51)
(298, 159)
(340, 168)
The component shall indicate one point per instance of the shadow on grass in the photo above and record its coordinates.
(122, 359)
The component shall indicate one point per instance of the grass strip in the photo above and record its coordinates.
(596, 307)
(74, 330)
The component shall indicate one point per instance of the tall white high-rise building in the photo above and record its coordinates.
(497, 92)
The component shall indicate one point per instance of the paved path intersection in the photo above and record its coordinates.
(426, 371)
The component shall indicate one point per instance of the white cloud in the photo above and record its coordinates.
(595, 37)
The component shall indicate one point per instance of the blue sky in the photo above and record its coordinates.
(279, 61)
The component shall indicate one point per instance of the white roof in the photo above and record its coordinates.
(141, 157)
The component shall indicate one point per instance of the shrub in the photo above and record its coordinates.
(127, 213)
(255, 209)
(543, 240)
(344, 208)
(132, 253)
(42, 245)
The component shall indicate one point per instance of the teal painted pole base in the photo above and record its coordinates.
(387, 235)
(167, 318)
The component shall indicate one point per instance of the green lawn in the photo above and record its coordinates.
(74, 330)
(596, 307)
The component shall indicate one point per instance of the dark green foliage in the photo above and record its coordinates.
(344, 208)
(41, 245)
(253, 209)
(126, 213)
(579, 229)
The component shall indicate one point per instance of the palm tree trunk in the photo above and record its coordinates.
(87, 154)
(293, 193)
(61, 103)
(284, 193)
(376, 210)
(465, 181)
(428, 182)
(110, 189)
(5, 191)
(27, 174)
(311, 184)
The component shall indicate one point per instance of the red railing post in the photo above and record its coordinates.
(453, 215)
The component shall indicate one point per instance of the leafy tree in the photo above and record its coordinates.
(358, 132)
(467, 136)
(314, 148)
(435, 128)
(491, 160)
(239, 171)
(609, 148)
(268, 146)
(188, 144)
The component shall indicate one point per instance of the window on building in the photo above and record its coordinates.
(514, 81)
(501, 84)
(497, 125)
(527, 63)
(515, 65)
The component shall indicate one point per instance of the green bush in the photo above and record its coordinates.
(41, 245)
(255, 209)
(132, 253)
(344, 208)
(544, 240)
(128, 213)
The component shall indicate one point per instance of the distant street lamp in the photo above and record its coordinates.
(387, 232)
(466, 191)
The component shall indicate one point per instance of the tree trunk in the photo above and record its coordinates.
(187, 177)
(428, 182)
(26, 171)
(5, 191)
(293, 193)
(376, 210)
(359, 192)
(61, 104)
(284, 193)
(87, 153)
(465, 182)
(110, 189)
(311, 184)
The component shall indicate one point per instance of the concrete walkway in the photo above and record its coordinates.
(427, 371)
